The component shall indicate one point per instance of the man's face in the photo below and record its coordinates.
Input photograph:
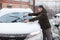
(39, 9)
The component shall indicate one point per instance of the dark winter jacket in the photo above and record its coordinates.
(42, 17)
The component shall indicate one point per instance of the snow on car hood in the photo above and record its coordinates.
(18, 28)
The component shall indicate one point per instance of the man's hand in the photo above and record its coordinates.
(25, 14)
(26, 21)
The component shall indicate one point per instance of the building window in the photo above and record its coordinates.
(9, 6)
(0, 5)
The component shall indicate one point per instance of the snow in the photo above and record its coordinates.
(58, 14)
(7, 10)
(18, 28)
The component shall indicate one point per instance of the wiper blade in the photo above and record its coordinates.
(15, 17)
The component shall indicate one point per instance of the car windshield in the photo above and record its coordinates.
(14, 17)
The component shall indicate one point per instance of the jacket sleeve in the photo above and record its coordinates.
(32, 14)
(36, 18)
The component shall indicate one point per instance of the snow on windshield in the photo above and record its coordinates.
(14, 17)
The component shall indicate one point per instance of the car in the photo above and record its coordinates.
(55, 21)
(12, 26)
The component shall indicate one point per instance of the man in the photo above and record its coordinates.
(43, 21)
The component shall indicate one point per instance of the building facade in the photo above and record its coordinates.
(13, 4)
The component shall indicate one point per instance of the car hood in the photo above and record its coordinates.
(18, 28)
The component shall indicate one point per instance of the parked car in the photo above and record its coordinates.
(55, 29)
(12, 26)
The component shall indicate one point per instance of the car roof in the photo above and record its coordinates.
(58, 14)
(10, 10)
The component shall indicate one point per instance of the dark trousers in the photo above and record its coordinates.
(47, 35)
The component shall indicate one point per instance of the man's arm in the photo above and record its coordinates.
(36, 18)
(32, 14)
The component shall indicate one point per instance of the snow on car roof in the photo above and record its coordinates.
(9, 10)
(58, 14)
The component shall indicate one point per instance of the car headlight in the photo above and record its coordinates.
(33, 34)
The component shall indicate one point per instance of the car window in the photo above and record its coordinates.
(14, 17)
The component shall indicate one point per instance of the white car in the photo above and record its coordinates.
(55, 20)
(12, 26)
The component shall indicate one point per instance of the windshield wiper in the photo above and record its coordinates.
(18, 18)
